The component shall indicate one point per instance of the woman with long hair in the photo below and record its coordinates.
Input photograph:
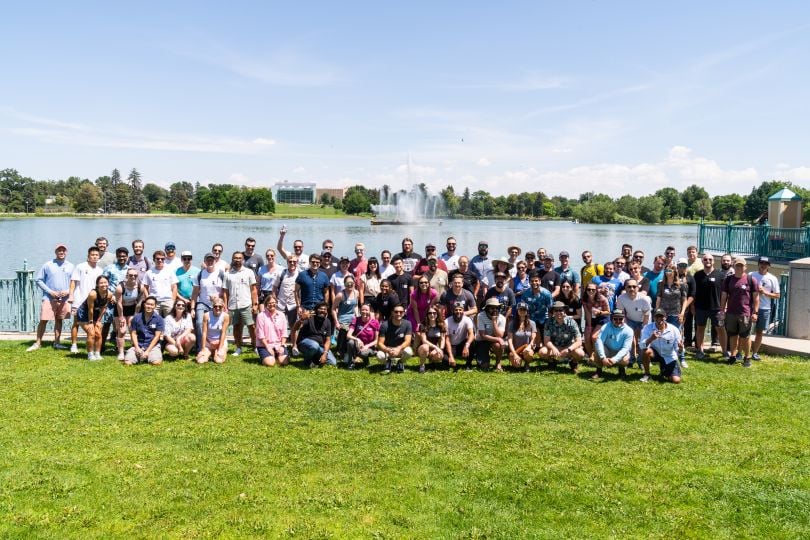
(573, 304)
(361, 339)
(520, 282)
(178, 333)
(432, 335)
(369, 286)
(521, 337)
(345, 307)
(214, 327)
(597, 309)
(94, 312)
(672, 294)
(129, 295)
(422, 297)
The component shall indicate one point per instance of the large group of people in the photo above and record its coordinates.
(441, 310)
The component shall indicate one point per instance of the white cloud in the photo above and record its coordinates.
(484, 162)
(798, 175)
(262, 140)
(300, 169)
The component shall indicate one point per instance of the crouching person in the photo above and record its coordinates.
(394, 343)
(271, 334)
(613, 345)
(312, 335)
(214, 328)
(561, 339)
(145, 332)
(179, 330)
(361, 340)
(662, 342)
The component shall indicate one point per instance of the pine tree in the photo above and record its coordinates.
(137, 201)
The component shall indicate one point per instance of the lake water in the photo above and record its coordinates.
(34, 239)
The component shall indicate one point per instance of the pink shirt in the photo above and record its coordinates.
(420, 302)
(270, 328)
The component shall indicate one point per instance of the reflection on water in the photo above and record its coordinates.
(34, 239)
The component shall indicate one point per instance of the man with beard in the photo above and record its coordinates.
(608, 284)
(490, 336)
(311, 286)
(562, 339)
(394, 342)
(740, 302)
(457, 295)
(240, 295)
(460, 335)
(589, 269)
(613, 346)
(409, 258)
(253, 261)
(708, 289)
(401, 282)
(106, 258)
(662, 342)
(725, 264)
(568, 274)
(449, 257)
(539, 301)
(502, 293)
(438, 278)
(137, 259)
(481, 265)
(312, 336)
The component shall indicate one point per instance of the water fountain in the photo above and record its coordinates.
(407, 207)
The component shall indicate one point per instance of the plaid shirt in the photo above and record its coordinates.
(561, 334)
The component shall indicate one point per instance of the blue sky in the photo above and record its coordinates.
(560, 97)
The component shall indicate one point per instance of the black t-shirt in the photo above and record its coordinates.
(708, 289)
(505, 297)
(470, 279)
(402, 286)
(386, 303)
(571, 305)
(549, 279)
(395, 335)
(318, 331)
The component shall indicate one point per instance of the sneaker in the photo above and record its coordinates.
(739, 356)
(387, 368)
(684, 364)
(731, 360)
(59, 347)
(726, 355)
(421, 368)
(527, 369)
(120, 357)
(746, 362)
(237, 352)
(92, 357)
(400, 367)
(645, 378)
(350, 365)
(74, 349)
(313, 365)
(34, 347)
(756, 357)
(700, 355)
(597, 375)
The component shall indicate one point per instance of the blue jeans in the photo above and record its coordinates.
(311, 350)
(673, 320)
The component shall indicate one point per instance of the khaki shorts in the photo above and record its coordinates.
(53, 309)
(242, 315)
(738, 325)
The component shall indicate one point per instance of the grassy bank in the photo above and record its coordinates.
(180, 450)
(283, 211)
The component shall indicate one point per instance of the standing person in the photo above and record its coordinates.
(298, 250)
(161, 282)
(53, 279)
(219, 263)
(207, 288)
(530, 260)
(105, 257)
(568, 274)
(432, 334)
(609, 285)
(638, 256)
(82, 281)
(520, 281)
(146, 330)
(438, 277)
(268, 275)
(637, 309)
(549, 279)
(138, 260)
(214, 327)
(422, 298)
(242, 298)
(116, 274)
(694, 264)
(661, 342)
(687, 308)
(312, 335)
(521, 338)
(311, 286)
(336, 279)
(358, 265)
(394, 343)
(708, 290)
(361, 340)
(490, 336)
(589, 269)
(328, 265)
(596, 309)
(514, 252)
(656, 274)
(178, 330)
(253, 261)
(423, 266)
(619, 265)
(460, 335)
(401, 281)
(502, 293)
(562, 340)
(345, 308)
(627, 252)
(129, 296)
(96, 310)
(449, 257)
(768, 292)
(186, 277)
(539, 301)
(612, 345)
(471, 281)
(740, 302)
(171, 262)
(386, 301)
(386, 268)
(285, 291)
(481, 265)
(271, 334)
(409, 258)
(370, 282)
(634, 269)
(669, 256)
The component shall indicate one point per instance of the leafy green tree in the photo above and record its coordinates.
(599, 209)
(181, 198)
(202, 197)
(155, 196)
(326, 199)
(651, 209)
(356, 202)
(451, 202)
(628, 206)
(690, 198)
(757, 202)
(88, 198)
(728, 207)
(260, 201)
(704, 208)
(673, 203)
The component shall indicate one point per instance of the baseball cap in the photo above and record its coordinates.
(683, 262)
(548, 256)
(617, 313)
(209, 255)
(60, 246)
(483, 243)
(564, 254)
(765, 260)
(326, 253)
(186, 254)
(660, 312)
(344, 258)
(739, 260)
(170, 245)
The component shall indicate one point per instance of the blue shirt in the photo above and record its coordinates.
(115, 274)
(538, 304)
(611, 287)
(146, 331)
(54, 276)
(655, 278)
(614, 342)
(312, 288)
(666, 345)
(186, 280)
(480, 266)
(568, 275)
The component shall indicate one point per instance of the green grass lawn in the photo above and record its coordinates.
(99, 450)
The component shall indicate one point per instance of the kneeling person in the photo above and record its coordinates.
(395, 339)
(662, 343)
(561, 339)
(613, 345)
(145, 330)
(491, 335)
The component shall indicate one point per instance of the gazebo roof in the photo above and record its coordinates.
(784, 194)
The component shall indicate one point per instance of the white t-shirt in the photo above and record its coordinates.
(85, 277)
(487, 325)
(286, 290)
(210, 284)
(450, 261)
(634, 309)
(175, 328)
(159, 282)
(770, 283)
(458, 331)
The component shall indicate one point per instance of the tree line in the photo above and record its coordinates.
(115, 194)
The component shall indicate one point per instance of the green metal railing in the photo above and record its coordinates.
(779, 316)
(780, 244)
(20, 301)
